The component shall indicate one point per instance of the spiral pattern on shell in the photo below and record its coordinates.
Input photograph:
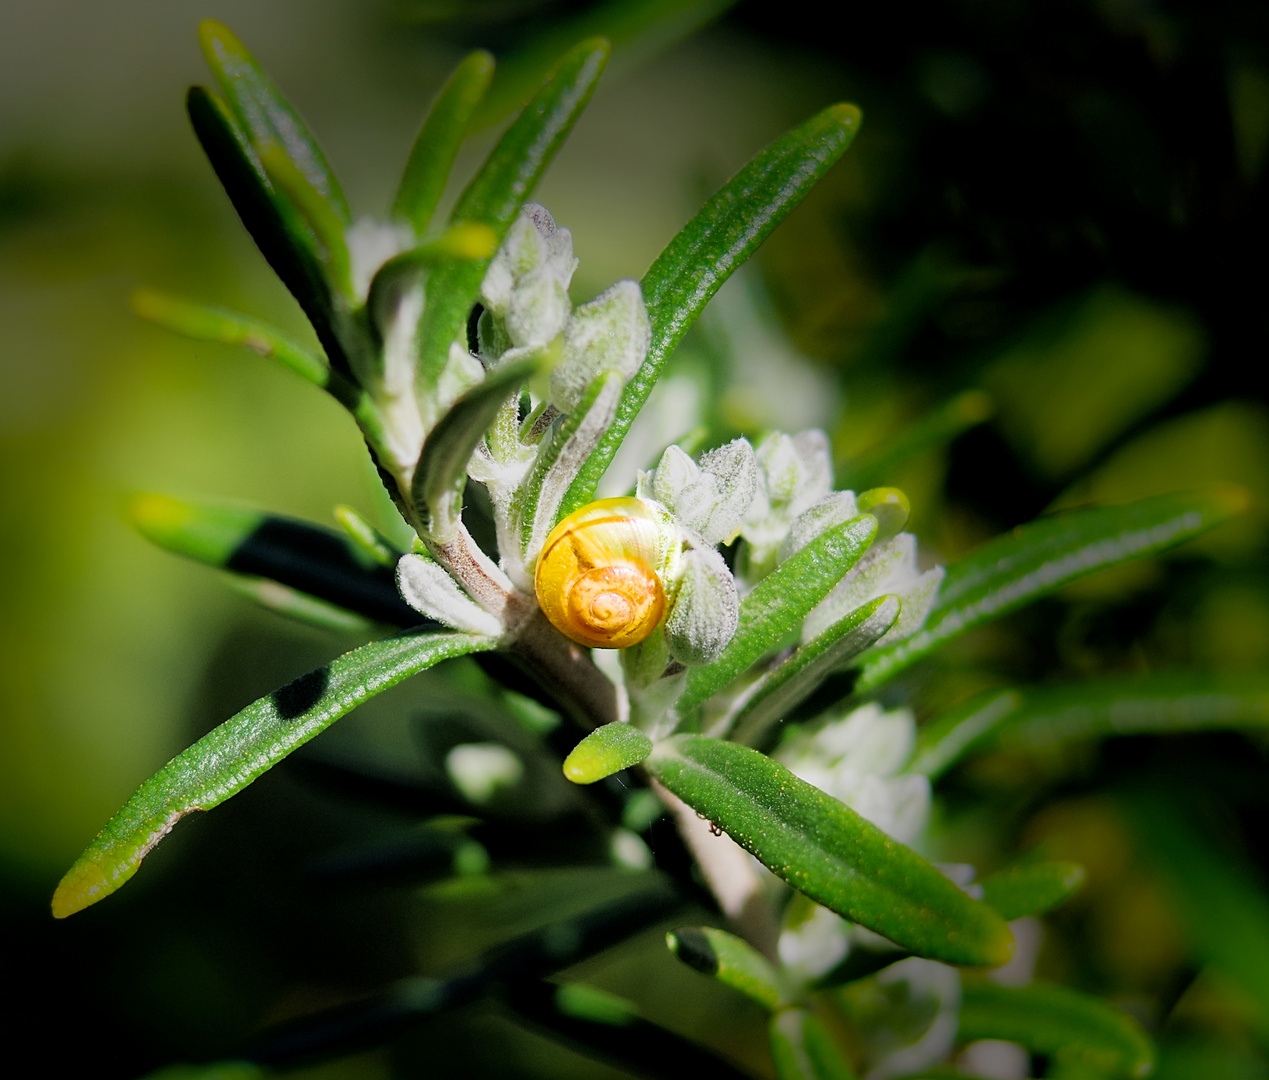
(596, 579)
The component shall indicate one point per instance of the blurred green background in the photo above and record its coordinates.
(1034, 282)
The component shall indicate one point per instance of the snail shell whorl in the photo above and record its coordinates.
(596, 579)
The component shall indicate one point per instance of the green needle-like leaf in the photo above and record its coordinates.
(265, 114)
(282, 237)
(1032, 888)
(709, 248)
(204, 323)
(297, 605)
(231, 756)
(1035, 559)
(938, 428)
(315, 561)
(441, 474)
(500, 188)
(606, 750)
(948, 738)
(318, 214)
(1037, 720)
(609, 1028)
(793, 681)
(1052, 1020)
(733, 962)
(459, 243)
(801, 1048)
(826, 850)
(779, 603)
(438, 141)
(369, 543)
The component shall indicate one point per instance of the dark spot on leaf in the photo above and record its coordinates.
(694, 949)
(295, 699)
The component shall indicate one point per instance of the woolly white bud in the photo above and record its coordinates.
(706, 609)
(428, 589)
(610, 333)
(713, 497)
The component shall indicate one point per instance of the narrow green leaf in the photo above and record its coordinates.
(638, 30)
(375, 548)
(780, 691)
(723, 234)
(204, 323)
(606, 750)
(949, 738)
(313, 560)
(1221, 899)
(802, 1049)
(584, 1002)
(1061, 1023)
(265, 114)
(441, 474)
(889, 506)
(1035, 559)
(297, 605)
(779, 602)
(207, 532)
(826, 850)
(283, 240)
(1039, 719)
(938, 428)
(610, 1029)
(231, 756)
(438, 140)
(1032, 888)
(499, 189)
(316, 213)
(733, 962)
(459, 243)
(556, 941)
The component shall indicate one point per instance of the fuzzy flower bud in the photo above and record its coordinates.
(711, 497)
(706, 610)
(525, 289)
(609, 333)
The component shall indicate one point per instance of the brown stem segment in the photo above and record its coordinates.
(566, 671)
(480, 576)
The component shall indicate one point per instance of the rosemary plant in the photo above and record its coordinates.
(773, 611)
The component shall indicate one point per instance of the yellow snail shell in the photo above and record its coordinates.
(596, 579)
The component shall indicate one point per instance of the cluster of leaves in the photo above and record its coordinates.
(826, 621)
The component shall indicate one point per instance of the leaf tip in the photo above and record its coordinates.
(147, 303)
(156, 517)
(691, 945)
(217, 39)
(480, 62)
(846, 114)
(83, 885)
(605, 751)
(597, 44)
(472, 241)
(998, 943)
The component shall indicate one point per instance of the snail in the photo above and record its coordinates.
(596, 578)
